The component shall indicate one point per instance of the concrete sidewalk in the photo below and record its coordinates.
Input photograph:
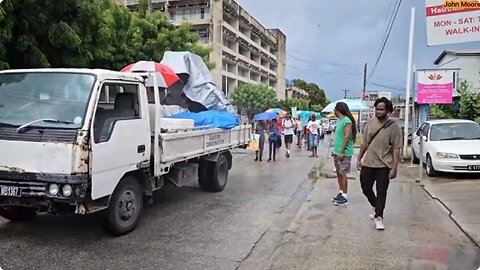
(419, 234)
(461, 197)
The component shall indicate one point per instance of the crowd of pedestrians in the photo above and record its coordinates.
(377, 161)
(282, 132)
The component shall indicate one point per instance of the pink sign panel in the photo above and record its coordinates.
(435, 87)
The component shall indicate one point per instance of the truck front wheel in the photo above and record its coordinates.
(213, 175)
(17, 213)
(125, 207)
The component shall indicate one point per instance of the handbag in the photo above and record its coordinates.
(253, 145)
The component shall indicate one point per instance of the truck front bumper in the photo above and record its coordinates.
(42, 191)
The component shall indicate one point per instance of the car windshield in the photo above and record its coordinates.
(455, 131)
(44, 99)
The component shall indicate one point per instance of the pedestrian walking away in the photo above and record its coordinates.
(260, 129)
(307, 134)
(299, 132)
(313, 126)
(288, 130)
(345, 134)
(273, 141)
(379, 157)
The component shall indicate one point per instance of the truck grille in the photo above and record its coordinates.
(27, 189)
(470, 157)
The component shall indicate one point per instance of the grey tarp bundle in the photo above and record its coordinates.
(200, 86)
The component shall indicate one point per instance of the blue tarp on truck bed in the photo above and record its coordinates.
(218, 119)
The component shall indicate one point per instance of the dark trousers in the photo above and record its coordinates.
(261, 144)
(368, 176)
(272, 146)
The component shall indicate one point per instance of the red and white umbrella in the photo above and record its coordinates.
(167, 74)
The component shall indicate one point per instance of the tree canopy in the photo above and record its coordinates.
(253, 98)
(92, 34)
(315, 93)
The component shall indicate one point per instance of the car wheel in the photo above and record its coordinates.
(429, 167)
(416, 160)
(125, 207)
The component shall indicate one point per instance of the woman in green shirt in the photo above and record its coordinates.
(345, 134)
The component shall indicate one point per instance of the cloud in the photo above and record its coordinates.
(347, 34)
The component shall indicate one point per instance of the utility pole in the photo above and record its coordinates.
(364, 81)
(409, 81)
(345, 90)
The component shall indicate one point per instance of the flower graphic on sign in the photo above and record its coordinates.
(435, 77)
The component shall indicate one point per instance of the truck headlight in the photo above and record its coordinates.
(67, 190)
(446, 155)
(53, 189)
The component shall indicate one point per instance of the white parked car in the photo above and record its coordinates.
(451, 145)
(326, 126)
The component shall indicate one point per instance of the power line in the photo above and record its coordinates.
(318, 64)
(389, 87)
(325, 71)
(321, 63)
(386, 36)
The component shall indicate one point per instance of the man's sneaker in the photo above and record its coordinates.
(341, 201)
(336, 198)
(379, 223)
(372, 216)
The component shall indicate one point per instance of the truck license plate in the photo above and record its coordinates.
(474, 168)
(9, 191)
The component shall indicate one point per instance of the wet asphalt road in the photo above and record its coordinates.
(184, 229)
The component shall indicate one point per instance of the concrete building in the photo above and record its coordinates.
(369, 99)
(292, 92)
(371, 96)
(467, 61)
(244, 51)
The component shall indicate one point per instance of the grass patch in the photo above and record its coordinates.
(317, 172)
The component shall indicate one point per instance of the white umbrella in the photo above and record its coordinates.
(355, 105)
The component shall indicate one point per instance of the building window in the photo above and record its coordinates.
(190, 14)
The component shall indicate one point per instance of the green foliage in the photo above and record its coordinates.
(469, 103)
(316, 108)
(442, 111)
(316, 94)
(93, 34)
(469, 106)
(286, 105)
(253, 99)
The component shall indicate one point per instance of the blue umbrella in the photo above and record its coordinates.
(355, 105)
(265, 116)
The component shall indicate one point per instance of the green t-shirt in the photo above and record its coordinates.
(339, 134)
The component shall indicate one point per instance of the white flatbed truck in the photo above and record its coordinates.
(86, 140)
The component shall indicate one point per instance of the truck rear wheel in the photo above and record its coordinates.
(125, 207)
(213, 175)
(17, 213)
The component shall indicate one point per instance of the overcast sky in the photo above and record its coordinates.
(328, 42)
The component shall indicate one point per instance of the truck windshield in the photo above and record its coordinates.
(27, 97)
